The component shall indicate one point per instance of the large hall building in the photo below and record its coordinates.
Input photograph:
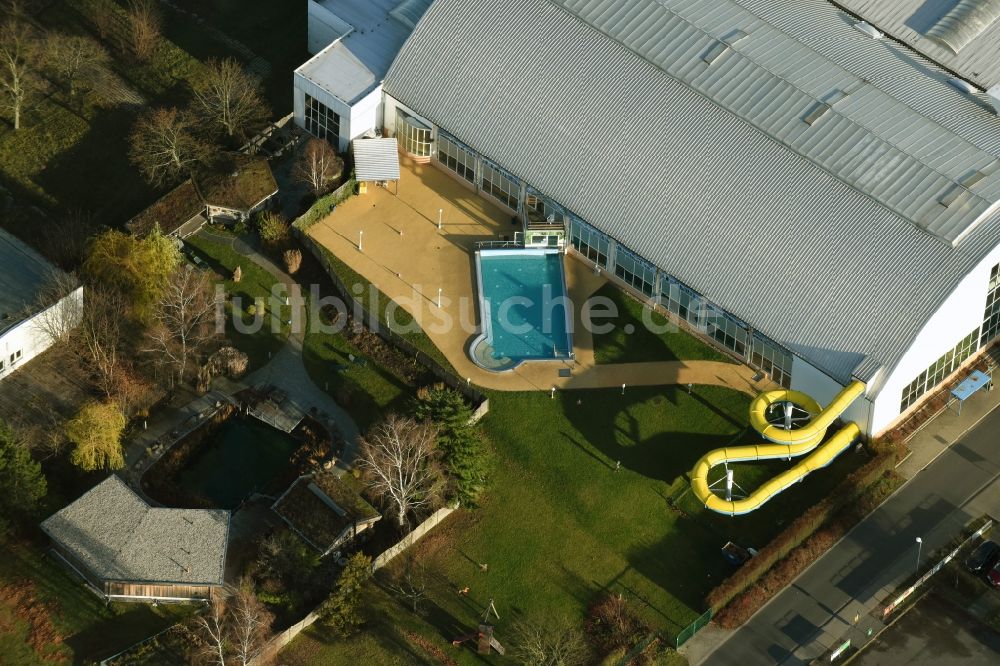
(813, 185)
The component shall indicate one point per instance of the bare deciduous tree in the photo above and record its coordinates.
(250, 625)
(144, 23)
(74, 57)
(411, 586)
(164, 146)
(399, 458)
(55, 316)
(212, 626)
(229, 99)
(19, 56)
(318, 166)
(235, 628)
(184, 318)
(553, 643)
(101, 334)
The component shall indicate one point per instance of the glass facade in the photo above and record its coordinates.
(726, 330)
(635, 272)
(590, 242)
(683, 301)
(939, 369)
(413, 134)
(991, 318)
(456, 157)
(499, 185)
(322, 122)
(772, 358)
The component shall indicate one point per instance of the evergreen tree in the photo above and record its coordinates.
(21, 478)
(342, 609)
(462, 446)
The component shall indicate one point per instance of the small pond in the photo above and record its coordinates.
(236, 459)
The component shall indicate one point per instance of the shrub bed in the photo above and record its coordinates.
(750, 600)
(846, 492)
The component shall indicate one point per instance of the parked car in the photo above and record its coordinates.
(993, 577)
(983, 557)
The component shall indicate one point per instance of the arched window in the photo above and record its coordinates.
(414, 134)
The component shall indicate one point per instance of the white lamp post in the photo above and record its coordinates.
(439, 297)
(361, 237)
(920, 544)
(439, 218)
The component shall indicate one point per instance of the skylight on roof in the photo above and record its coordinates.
(714, 52)
(952, 195)
(817, 111)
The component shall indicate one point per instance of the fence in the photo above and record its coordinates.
(895, 603)
(392, 338)
(687, 632)
(411, 538)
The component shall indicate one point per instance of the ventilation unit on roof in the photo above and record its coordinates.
(869, 29)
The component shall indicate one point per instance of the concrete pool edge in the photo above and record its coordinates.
(485, 334)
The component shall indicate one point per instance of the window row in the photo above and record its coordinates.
(772, 359)
(939, 369)
(457, 158)
(991, 317)
(500, 186)
(590, 242)
(321, 121)
(635, 272)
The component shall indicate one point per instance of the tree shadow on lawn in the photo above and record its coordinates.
(134, 624)
(95, 175)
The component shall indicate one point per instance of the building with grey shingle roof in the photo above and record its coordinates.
(129, 550)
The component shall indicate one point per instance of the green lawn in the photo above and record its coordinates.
(254, 287)
(63, 607)
(560, 526)
(367, 391)
(632, 341)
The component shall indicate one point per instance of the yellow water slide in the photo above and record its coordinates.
(771, 414)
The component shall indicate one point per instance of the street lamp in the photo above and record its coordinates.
(920, 543)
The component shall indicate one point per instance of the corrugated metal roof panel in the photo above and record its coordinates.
(376, 159)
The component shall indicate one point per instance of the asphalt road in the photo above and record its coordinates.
(933, 633)
(817, 608)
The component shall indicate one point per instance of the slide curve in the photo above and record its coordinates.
(784, 443)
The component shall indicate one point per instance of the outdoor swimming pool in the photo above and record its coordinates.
(523, 307)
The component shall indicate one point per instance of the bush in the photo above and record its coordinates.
(798, 531)
(611, 625)
(251, 309)
(293, 260)
(272, 229)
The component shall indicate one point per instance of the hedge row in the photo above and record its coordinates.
(800, 529)
(748, 602)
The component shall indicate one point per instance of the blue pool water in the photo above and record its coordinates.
(524, 312)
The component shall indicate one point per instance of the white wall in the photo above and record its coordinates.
(365, 114)
(31, 341)
(823, 389)
(955, 319)
(323, 27)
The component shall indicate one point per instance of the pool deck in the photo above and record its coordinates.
(405, 255)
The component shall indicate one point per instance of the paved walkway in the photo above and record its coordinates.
(409, 258)
(286, 369)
